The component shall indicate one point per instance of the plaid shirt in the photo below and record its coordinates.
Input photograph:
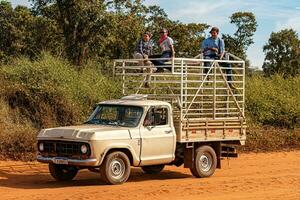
(143, 47)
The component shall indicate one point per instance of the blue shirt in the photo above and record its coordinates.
(212, 43)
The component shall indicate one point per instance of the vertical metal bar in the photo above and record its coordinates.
(215, 85)
(173, 65)
(181, 100)
(186, 85)
(123, 77)
(181, 86)
(202, 78)
(227, 101)
(244, 82)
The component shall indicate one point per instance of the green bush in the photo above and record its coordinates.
(273, 101)
(48, 92)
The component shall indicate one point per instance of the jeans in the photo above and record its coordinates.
(165, 54)
(227, 65)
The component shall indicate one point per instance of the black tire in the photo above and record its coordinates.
(115, 168)
(62, 172)
(153, 169)
(205, 162)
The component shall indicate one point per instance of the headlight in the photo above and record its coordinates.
(83, 149)
(41, 146)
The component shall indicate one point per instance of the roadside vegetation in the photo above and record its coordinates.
(55, 64)
(47, 92)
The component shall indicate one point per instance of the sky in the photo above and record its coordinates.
(271, 16)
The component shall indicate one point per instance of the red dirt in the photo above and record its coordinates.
(251, 176)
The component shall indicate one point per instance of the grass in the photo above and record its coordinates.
(269, 138)
(273, 101)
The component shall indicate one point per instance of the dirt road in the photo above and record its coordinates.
(251, 176)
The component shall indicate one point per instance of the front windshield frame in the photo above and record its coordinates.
(134, 122)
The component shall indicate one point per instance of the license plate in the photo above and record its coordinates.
(60, 161)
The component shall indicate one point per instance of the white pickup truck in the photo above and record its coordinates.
(141, 131)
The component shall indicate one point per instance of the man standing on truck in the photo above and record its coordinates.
(214, 48)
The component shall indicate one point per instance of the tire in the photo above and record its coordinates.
(153, 169)
(62, 172)
(115, 168)
(205, 162)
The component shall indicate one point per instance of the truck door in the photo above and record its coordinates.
(158, 137)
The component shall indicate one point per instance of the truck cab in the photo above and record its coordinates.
(142, 130)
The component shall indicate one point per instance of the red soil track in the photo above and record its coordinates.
(251, 176)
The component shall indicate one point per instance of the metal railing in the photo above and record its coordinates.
(197, 88)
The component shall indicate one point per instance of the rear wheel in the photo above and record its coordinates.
(115, 168)
(153, 169)
(62, 172)
(205, 162)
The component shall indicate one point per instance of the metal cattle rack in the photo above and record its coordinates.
(206, 106)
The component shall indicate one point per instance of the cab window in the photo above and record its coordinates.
(156, 116)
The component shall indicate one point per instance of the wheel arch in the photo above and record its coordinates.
(127, 150)
(189, 153)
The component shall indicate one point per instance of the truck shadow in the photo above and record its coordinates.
(42, 179)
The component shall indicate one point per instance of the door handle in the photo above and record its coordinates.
(168, 131)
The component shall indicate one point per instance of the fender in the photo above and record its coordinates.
(135, 158)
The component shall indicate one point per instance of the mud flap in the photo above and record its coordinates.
(189, 157)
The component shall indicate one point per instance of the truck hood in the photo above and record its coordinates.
(85, 132)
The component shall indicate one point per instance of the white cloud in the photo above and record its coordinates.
(207, 12)
(291, 22)
(21, 2)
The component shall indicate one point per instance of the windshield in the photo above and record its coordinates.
(119, 115)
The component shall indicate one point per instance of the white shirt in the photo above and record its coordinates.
(166, 44)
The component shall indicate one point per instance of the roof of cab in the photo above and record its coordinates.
(135, 102)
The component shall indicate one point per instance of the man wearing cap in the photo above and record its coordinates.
(144, 49)
(214, 48)
(144, 46)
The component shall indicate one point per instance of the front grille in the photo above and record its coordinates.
(64, 149)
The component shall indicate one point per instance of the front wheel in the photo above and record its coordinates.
(62, 172)
(205, 162)
(115, 168)
(153, 169)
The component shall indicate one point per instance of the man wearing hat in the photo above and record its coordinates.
(214, 48)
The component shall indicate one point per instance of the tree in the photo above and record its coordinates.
(187, 38)
(243, 37)
(282, 53)
(80, 20)
(24, 34)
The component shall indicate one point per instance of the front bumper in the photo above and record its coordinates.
(86, 162)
